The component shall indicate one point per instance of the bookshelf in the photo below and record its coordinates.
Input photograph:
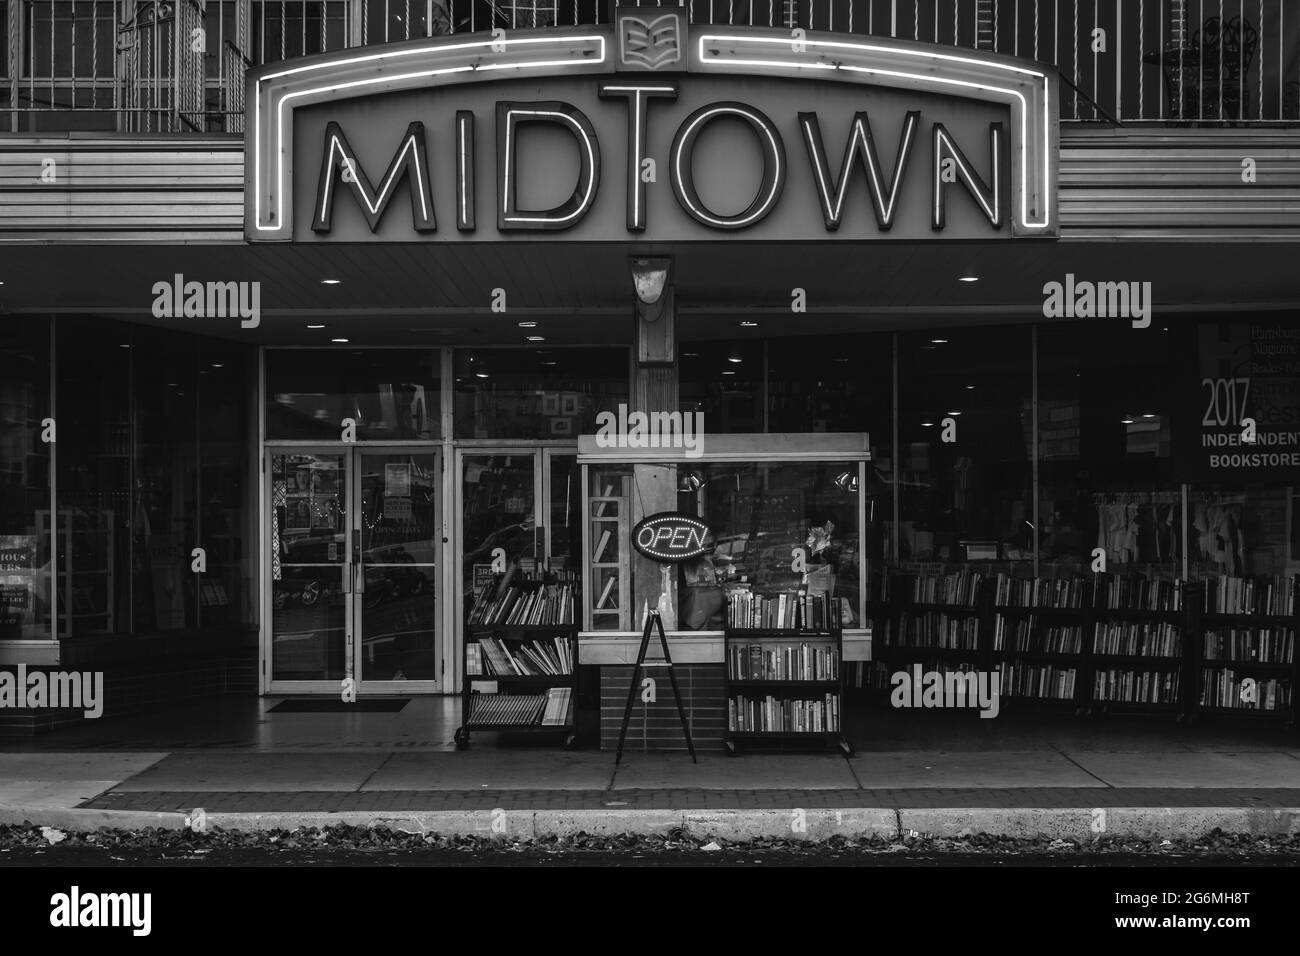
(1038, 641)
(1246, 630)
(520, 659)
(609, 589)
(86, 591)
(1136, 654)
(783, 654)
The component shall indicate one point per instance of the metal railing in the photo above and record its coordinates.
(179, 65)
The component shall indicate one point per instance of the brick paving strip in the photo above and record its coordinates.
(473, 800)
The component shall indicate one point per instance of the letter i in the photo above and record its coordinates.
(465, 170)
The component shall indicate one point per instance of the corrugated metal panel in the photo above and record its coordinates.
(100, 187)
(1113, 183)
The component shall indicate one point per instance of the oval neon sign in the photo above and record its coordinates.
(671, 537)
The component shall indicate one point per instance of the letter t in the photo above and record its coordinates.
(638, 96)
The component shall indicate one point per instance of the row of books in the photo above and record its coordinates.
(1264, 645)
(777, 714)
(1122, 593)
(492, 656)
(1039, 592)
(961, 588)
(506, 710)
(791, 662)
(1229, 595)
(1135, 687)
(934, 629)
(1038, 680)
(1138, 640)
(1226, 688)
(789, 610)
(548, 605)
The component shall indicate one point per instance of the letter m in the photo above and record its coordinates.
(411, 161)
(1112, 299)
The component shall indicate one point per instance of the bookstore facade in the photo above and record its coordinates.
(846, 310)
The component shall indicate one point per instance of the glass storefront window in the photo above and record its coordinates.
(724, 381)
(24, 480)
(536, 394)
(1107, 402)
(391, 394)
(758, 515)
(965, 432)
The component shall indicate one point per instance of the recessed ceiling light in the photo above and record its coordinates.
(969, 387)
(340, 341)
(954, 413)
(1126, 421)
(173, 384)
(968, 278)
(218, 365)
(927, 424)
(548, 363)
(939, 341)
(317, 326)
(480, 374)
(124, 346)
(536, 338)
(728, 372)
(1147, 415)
(747, 324)
(528, 325)
(330, 281)
(734, 359)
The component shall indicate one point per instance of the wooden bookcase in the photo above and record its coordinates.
(609, 587)
(776, 668)
(476, 673)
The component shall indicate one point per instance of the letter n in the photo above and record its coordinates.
(410, 161)
(988, 198)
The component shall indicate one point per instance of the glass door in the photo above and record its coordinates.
(310, 568)
(396, 595)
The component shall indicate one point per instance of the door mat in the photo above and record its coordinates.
(336, 705)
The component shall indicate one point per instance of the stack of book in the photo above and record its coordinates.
(1038, 680)
(545, 606)
(793, 610)
(506, 710)
(1135, 687)
(788, 715)
(1138, 640)
(1229, 595)
(1262, 645)
(491, 656)
(960, 588)
(1226, 688)
(1038, 592)
(1115, 592)
(939, 630)
(791, 662)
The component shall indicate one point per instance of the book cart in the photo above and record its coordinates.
(783, 672)
(521, 640)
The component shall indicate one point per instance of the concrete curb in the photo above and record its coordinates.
(1078, 824)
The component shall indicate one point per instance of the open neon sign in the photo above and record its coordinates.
(670, 537)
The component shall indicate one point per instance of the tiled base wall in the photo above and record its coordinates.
(656, 726)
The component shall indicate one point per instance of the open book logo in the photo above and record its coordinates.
(650, 45)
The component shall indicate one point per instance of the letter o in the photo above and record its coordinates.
(769, 190)
(641, 538)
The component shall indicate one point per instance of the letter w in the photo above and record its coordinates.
(859, 151)
(411, 158)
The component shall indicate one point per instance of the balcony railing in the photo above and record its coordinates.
(178, 65)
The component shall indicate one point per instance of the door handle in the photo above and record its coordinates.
(360, 587)
(347, 577)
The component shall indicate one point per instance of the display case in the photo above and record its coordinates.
(786, 514)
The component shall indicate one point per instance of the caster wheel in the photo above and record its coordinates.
(570, 741)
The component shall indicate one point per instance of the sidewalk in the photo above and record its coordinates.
(498, 791)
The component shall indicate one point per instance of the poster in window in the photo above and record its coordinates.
(297, 514)
(397, 480)
(324, 513)
(325, 478)
(17, 560)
